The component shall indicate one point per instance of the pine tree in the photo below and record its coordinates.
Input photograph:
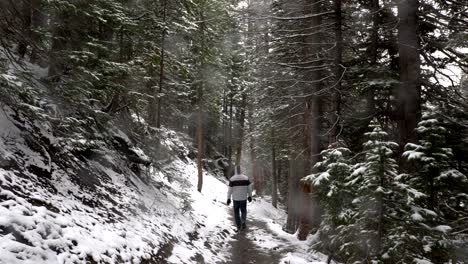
(335, 198)
(382, 223)
(445, 188)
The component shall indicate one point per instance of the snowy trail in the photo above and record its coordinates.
(214, 240)
(244, 249)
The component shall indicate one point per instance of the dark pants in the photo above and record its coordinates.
(240, 207)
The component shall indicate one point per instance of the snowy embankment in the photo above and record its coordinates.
(126, 219)
(65, 224)
(82, 195)
(97, 210)
(123, 220)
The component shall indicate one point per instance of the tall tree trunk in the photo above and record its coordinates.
(312, 117)
(409, 92)
(225, 130)
(150, 86)
(253, 154)
(59, 44)
(121, 44)
(279, 178)
(296, 168)
(274, 178)
(200, 146)
(38, 21)
(338, 71)
(154, 107)
(26, 28)
(374, 42)
(200, 105)
(161, 65)
(380, 212)
(231, 117)
(241, 129)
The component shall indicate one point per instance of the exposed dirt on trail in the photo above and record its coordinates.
(244, 250)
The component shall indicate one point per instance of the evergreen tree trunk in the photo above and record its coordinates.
(161, 65)
(274, 178)
(241, 129)
(229, 151)
(312, 116)
(59, 44)
(200, 145)
(200, 85)
(409, 92)
(338, 72)
(26, 28)
(380, 214)
(38, 21)
(374, 42)
(253, 154)
(294, 207)
(150, 85)
(224, 147)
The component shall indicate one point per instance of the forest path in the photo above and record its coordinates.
(257, 244)
(214, 239)
(243, 248)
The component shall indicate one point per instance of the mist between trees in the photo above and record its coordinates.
(352, 114)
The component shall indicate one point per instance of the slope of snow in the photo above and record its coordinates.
(60, 205)
(119, 218)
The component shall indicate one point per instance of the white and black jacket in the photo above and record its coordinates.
(240, 188)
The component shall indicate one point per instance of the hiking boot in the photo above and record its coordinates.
(243, 226)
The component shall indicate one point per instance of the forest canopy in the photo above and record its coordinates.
(354, 114)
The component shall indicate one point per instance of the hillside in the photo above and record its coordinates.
(142, 131)
(85, 195)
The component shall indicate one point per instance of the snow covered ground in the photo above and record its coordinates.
(267, 234)
(60, 203)
(46, 216)
(39, 226)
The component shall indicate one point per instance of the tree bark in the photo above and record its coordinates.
(200, 147)
(409, 91)
(200, 105)
(374, 42)
(253, 154)
(229, 149)
(241, 129)
(274, 176)
(296, 168)
(25, 39)
(150, 85)
(225, 123)
(59, 44)
(312, 114)
(338, 72)
(161, 65)
(38, 21)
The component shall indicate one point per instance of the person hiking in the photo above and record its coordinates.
(240, 189)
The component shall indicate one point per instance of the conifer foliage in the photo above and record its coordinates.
(444, 187)
(330, 183)
(371, 213)
(443, 184)
(382, 204)
(269, 84)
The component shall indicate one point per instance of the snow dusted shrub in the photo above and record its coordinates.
(445, 188)
(335, 198)
(381, 218)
